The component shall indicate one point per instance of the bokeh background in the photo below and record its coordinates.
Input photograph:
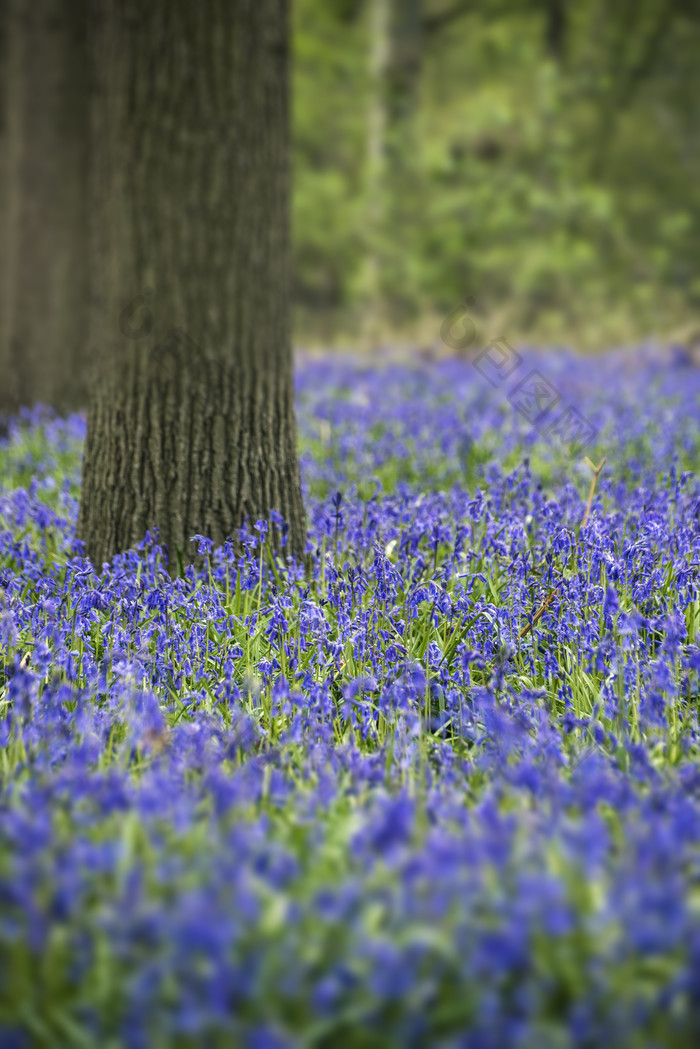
(542, 156)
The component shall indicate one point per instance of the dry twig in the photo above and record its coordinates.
(596, 473)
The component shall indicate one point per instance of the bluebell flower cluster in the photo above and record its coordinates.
(440, 789)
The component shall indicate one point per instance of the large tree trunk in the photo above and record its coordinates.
(191, 428)
(3, 199)
(43, 219)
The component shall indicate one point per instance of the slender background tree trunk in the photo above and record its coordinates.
(191, 428)
(402, 147)
(395, 30)
(379, 17)
(43, 171)
(556, 25)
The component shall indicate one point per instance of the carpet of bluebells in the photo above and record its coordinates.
(438, 787)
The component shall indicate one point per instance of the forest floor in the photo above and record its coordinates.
(441, 790)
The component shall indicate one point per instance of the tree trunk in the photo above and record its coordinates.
(43, 171)
(395, 68)
(402, 83)
(4, 371)
(402, 145)
(376, 146)
(556, 25)
(191, 427)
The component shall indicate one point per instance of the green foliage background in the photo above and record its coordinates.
(562, 190)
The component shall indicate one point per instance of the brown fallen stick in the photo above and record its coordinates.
(539, 613)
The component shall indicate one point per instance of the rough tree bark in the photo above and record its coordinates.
(3, 199)
(43, 219)
(191, 427)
